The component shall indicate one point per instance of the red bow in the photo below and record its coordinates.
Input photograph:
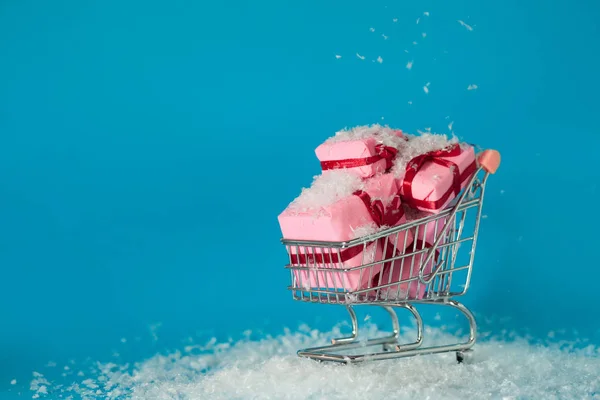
(383, 153)
(415, 165)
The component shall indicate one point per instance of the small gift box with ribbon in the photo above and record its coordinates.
(433, 179)
(365, 151)
(374, 202)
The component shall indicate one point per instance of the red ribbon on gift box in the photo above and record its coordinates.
(383, 153)
(415, 165)
(381, 216)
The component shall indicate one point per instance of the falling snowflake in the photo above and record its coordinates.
(379, 60)
(409, 102)
(424, 34)
(472, 87)
(418, 19)
(395, 20)
(359, 56)
(384, 37)
(338, 56)
(409, 65)
(426, 88)
(469, 27)
(450, 126)
(426, 13)
(372, 29)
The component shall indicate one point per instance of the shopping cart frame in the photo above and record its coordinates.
(447, 241)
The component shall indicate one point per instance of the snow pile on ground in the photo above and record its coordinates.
(269, 369)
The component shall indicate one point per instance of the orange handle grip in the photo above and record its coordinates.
(489, 160)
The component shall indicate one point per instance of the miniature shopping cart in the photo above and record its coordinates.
(426, 273)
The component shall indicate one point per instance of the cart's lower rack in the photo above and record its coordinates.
(390, 346)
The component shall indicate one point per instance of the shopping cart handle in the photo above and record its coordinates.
(489, 160)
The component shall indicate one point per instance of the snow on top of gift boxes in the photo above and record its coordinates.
(325, 190)
(371, 166)
(418, 145)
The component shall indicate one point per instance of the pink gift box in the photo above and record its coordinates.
(365, 157)
(434, 179)
(338, 222)
(408, 267)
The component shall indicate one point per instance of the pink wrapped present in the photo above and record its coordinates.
(433, 179)
(365, 156)
(408, 267)
(377, 203)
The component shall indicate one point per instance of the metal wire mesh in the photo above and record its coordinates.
(425, 259)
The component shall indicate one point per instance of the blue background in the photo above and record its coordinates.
(147, 147)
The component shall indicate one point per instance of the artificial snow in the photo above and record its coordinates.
(325, 190)
(269, 369)
(470, 28)
(383, 134)
(417, 145)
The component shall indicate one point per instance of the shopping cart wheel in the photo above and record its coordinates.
(464, 356)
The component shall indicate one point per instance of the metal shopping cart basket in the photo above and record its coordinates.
(433, 272)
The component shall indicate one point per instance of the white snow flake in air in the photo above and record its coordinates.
(450, 126)
(338, 56)
(426, 87)
(426, 13)
(13, 382)
(379, 60)
(395, 20)
(472, 87)
(406, 51)
(372, 29)
(469, 27)
(415, 43)
(424, 34)
(409, 65)
(418, 19)
(409, 102)
(359, 56)
(384, 37)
